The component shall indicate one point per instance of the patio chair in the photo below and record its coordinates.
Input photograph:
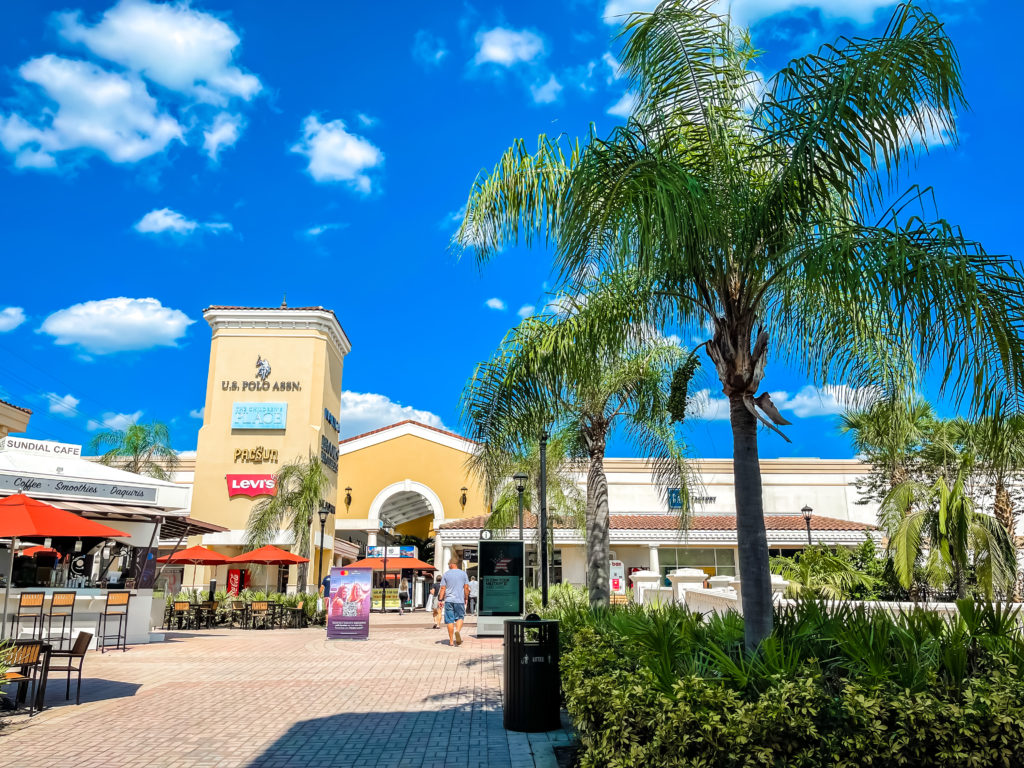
(296, 615)
(30, 606)
(77, 652)
(259, 613)
(25, 656)
(116, 608)
(182, 611)
(207, 614)
(237, 612)
(62, 607)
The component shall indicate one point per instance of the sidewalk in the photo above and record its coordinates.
(232, 698)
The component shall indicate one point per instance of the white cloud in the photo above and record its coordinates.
(829, 400)
(171, 44)
(428, 49)
(747, 12)
(708, 408)
(117, 325)
(65, 405)
(507, 47)
(114, 421)
(187, 454)
(364, 411)
(623, 107)
(11, 318)
(197, 413)
(367, 121)
(337, 155)
(545, 93)
(161, 220)
(95, 110)
(314, 232)
(223, 133)
(931, 134)
(495, 303)
(614, 67)
(526, 310)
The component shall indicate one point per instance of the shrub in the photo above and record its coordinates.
(831, 686)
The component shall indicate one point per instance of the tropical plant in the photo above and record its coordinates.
(998, 441)
(766, 212)
(822, 572)
(542, 375)
(143, 449)
(941, 523)
(301, 486)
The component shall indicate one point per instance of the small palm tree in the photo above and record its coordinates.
(543, 376)
(301, 486)
(999, 442)
(143, 449)
(822, 572)
(941, 523)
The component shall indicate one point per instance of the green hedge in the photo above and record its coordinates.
(662, 688)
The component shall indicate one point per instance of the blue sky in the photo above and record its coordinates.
(159, 158)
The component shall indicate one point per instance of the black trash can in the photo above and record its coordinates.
(532, 684)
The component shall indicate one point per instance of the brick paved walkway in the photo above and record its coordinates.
(227, 698)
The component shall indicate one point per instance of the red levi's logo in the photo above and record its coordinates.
(251, 485)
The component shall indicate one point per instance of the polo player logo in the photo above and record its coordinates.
(262, 368)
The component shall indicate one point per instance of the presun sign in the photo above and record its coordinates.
(251, 485)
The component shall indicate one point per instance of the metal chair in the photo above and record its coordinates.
(30, 606)
(259, 611)
(118, 601)
(182, 611)
(237, 611)
(296, 615)
(62, 607)
(207, 614)
(25, 656)
(77, 652)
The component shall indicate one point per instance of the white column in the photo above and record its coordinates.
(371, 539)
(447, 558)
(655, 565)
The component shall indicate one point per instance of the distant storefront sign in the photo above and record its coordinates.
(251, 485)
(45, 447)
(328, 453)
(331, 419)
(257, 455)
(675, 499)
(259, 415)
(406, 550)
(85, 489)
(501, 578)
(348, 606)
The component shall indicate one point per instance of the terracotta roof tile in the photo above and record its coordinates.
(16, 407)
(697, 523)
(400, 423)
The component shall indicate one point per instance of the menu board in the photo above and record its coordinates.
(348, 609)
(501, 578)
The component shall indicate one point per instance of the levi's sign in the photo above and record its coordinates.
(259, 415)
(251, 485)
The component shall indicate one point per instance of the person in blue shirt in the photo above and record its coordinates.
(454, 595)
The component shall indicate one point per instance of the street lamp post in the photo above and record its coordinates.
(807, 521)
(324, 512)
(520, 478)
(544, 519)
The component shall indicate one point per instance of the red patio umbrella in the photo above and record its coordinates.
(394, 564)
(23, 516)
(195, 556)
(268, 555)
(33, 551)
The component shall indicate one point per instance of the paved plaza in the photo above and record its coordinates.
(226, 698)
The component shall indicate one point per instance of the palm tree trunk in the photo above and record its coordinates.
(597, 522)
(755, 579)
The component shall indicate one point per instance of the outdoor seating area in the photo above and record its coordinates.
(25, 667)
(191, 612)
(49, 617)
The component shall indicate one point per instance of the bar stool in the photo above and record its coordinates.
(116, 607)
(30, 606)
(62, 607)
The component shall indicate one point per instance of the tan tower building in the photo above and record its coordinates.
(272, 397)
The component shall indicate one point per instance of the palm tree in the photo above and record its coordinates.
(300, 492)
(143, 449)
(999, 442)
(543, 375)
(765, 211)
(941, 522)
(820, 571)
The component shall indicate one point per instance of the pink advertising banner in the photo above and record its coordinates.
(348, 606)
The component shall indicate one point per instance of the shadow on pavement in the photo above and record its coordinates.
(93, 689)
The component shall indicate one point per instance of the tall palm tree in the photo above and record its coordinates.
(144, 449)
(765, 211)
(942, 522)
(999, 442)
(542, 375)
(301, 486)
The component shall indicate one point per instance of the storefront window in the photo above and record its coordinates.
(714, 562)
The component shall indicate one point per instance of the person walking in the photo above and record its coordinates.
(434, 602)
(454, 593)
(474, 594)
(403, 595)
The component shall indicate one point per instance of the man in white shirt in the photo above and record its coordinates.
(474, 594)
(454, 593)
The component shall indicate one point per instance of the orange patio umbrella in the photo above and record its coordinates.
(195, 556)
(22, 516)
(269, 555)
(37, 550)
(394, 564)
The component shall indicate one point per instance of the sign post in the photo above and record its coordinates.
(348, 606)
(501, 567)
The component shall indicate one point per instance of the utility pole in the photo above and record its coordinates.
(544, 519)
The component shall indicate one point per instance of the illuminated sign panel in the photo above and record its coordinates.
(259, 415)
(251, 485)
